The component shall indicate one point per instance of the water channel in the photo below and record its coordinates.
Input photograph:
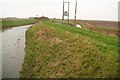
(13, 44)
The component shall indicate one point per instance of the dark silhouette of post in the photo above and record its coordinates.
(75, 13)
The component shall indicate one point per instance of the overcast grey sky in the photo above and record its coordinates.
(87, 9)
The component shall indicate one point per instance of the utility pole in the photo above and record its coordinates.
(75, 13)
(65, 13)
(68, 12)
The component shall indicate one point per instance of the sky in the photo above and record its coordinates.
(86, 9)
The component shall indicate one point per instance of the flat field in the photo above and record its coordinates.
(7, 23)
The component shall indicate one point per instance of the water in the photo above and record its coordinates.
(13, 44)
(0, 54)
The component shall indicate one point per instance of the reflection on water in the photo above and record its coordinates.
(13, 44)
(6, 29)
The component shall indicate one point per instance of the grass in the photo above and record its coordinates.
(7, 23)
(62, 51)
(0, 24)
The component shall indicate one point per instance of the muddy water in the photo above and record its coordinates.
(13, 44)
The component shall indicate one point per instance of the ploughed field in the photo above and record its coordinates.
(106, 27)
(56, 50)
(113, 24)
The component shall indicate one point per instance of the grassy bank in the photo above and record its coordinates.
(56, 50)
(7, 23)
(0, 24)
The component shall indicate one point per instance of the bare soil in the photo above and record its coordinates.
(113, 24)
(106, 27)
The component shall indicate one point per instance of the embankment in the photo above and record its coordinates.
(62, 51)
